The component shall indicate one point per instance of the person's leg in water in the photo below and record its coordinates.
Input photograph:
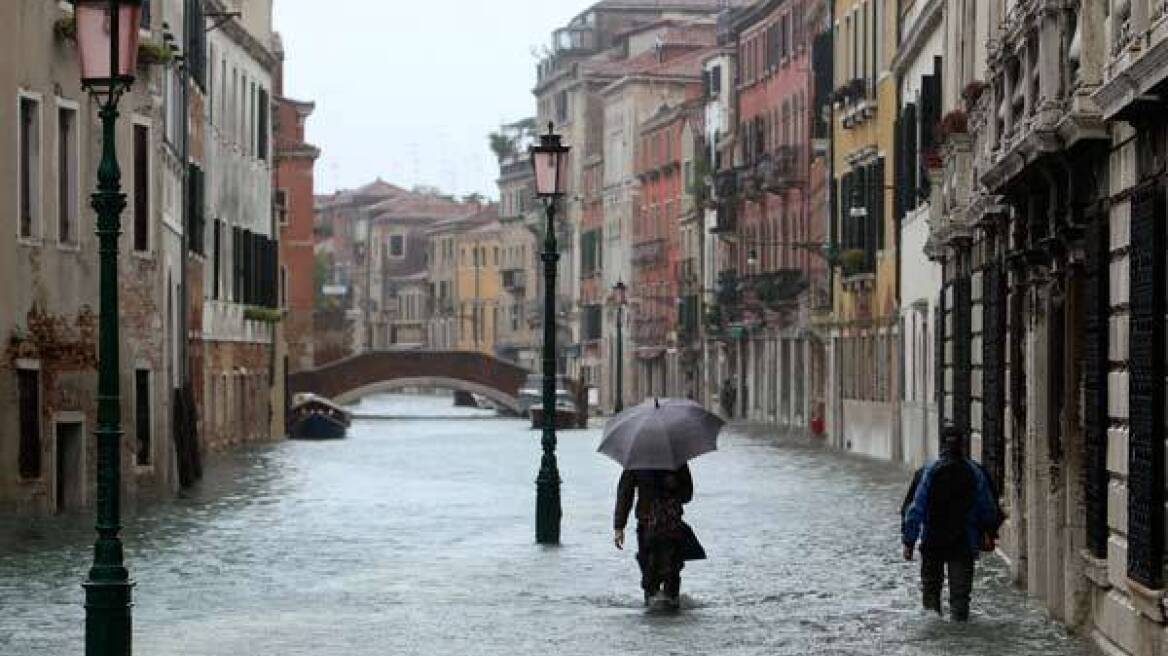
(932, 579)
(960, 586)
(650, 582)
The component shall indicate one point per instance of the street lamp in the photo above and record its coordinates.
(107, 46)
(621, 297)
(550, 161)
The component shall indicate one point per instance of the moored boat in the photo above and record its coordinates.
(314, 417)
(567, 416)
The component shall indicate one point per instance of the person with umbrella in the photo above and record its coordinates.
(653, 442)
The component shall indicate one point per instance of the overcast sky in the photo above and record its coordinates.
(409, 89)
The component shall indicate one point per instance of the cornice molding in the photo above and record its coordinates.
(923, 27)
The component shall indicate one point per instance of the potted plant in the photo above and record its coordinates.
(65, 28)
(955, 122)
(852, 261)
(262, 314)
(972, 92)
(150, 53)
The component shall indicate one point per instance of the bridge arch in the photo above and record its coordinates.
(508, 401)
(382, 371)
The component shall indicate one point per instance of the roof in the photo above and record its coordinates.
(368, 193)
(467, 222)
(419, 206)
(680, 46)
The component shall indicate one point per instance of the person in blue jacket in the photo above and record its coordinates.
(952, 508)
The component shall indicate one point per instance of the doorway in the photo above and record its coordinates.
(70, 466)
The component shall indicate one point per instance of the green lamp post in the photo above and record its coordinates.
(550, 160)
(107, 45)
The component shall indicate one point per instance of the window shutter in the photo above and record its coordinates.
(909, 147)
(1145, 556)
(878, 214)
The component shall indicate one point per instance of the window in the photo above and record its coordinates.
(141, 187)
(397, 246)
(197, 227)
(262, 125)
(28, 384)
(30, 167)
(562, 107)
(217, 259)
(282, 206)
(496, 256)
(283, 286)
(142, 415)
(67, 190)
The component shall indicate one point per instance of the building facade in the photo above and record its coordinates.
(294, 208)
(862, 405)
(48, 376)
(920, 175)
(243, 383)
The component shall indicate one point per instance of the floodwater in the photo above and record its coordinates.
(415, 536)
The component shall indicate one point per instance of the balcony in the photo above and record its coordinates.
(689, 272)
(779, 171)
(1135, 87)
(1038, 102)
(726, 192)
(514, 280)
(649, 253)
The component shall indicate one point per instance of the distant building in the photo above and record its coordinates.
(294, 207)
(397, 284)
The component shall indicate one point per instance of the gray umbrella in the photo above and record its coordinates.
(660, 434)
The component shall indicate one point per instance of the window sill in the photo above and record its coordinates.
(31, 242)
(145, 256)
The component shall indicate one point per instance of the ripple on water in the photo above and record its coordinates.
(415, 537)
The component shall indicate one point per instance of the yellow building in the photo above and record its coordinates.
(864, 334)
(478, 287)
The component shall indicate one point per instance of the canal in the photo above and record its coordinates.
(414, 536)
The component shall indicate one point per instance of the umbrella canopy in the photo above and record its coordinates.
(660, 434)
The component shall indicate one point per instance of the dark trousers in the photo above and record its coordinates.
(960, 570)
(660, 564)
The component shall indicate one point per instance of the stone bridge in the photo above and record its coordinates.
(374, 372)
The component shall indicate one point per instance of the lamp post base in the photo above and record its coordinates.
(108, 626)
(547, 505)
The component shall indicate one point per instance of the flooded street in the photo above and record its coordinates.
(415, 536)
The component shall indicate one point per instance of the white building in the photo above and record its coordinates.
(918, 69)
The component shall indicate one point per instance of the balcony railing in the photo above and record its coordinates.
(514, 280)
(688, 271)
(778, 171)
(649, 252)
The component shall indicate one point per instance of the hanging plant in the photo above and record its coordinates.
(262, 314)
(151, 53)
(65, 28)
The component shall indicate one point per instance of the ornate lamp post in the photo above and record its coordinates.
(107, 43)
(550, 160)
(620, 296)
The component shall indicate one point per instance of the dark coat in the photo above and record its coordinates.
(648, 486)
(952, 506)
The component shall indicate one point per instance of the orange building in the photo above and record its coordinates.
(294, 206)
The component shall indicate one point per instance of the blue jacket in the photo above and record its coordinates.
(953, 505)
